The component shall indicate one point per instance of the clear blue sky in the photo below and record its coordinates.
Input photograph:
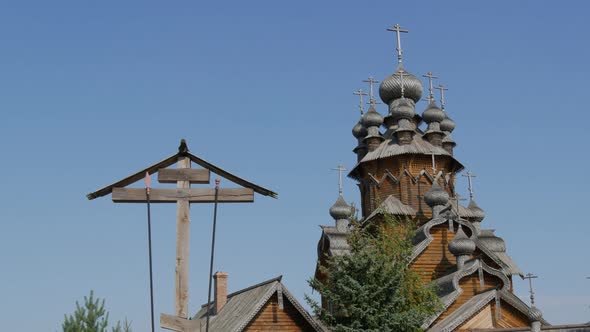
(92, 91)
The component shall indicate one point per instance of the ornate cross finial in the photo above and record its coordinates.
(371, 80)
(340, 169)
(398, 30)
(442, 95)
(430, 76)
(457, 199)
(360, 93)
(530, 277)
(469, 176)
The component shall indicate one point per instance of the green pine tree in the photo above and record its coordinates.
(373, 288)
(92, 317)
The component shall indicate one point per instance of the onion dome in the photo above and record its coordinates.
(491, 241)
(359, 131)
(478, 213)
(535, 314)
(447, 124)
(402, 108)
(372, 118)
(461, 244)
(340, 210)
(433, 113)
(391, 87)
(436, 196)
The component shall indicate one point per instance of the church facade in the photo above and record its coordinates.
(405, 166)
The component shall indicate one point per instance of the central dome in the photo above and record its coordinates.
(391, 87)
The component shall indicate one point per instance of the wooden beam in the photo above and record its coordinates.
(170, 175)
(193, 195)
(179, 324)
(183, 232)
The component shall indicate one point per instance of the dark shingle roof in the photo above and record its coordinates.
(243, 305)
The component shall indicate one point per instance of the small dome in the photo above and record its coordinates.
(340, 210)
(436, 196)
(447, 124)
(391, 88)
(477, 211)
(372, 118)
(359, 131)
(402, 108)
(433, 113)
(461, 244)
(491, 241)
(535, 314)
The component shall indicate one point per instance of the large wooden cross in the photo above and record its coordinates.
(183, 195)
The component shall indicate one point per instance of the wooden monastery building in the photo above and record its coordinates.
(406, 167)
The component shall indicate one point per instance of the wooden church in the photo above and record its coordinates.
(406, 167)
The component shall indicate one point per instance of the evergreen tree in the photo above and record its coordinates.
(92, 317)
(373, 288)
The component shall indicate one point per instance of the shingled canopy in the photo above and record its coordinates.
(182, 152)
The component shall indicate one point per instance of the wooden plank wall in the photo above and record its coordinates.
(272, 318)
(406, 190)
(436, 259)
(471, 287)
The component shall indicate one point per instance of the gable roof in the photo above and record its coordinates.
(243, 305)
(475, 304)
(182, 152)
(449, 290)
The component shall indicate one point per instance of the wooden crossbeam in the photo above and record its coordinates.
(193, 195)
(171, 175)
(179, 324)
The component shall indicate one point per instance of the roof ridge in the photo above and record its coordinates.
(279, 278)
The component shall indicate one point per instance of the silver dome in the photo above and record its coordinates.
(535, 314)
(402, 108)
(436, 196)
(359, 131)
(461, 244)
(491, 241)
(433, 113)
(447, 124)
(340, 210)
(391, 89)
(372, 118)
(477, 211)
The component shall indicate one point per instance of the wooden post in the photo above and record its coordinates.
(182, 245)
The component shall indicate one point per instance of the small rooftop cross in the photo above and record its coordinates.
(398, 30)
(442, 95)
(469, 176)
(430, 76)
(340, 169)
(360, 93)
(371, 80)
(457, 198)
(530, 277)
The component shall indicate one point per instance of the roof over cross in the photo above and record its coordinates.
(469, 177)
(360, 93)
(340, 169)
(530, 277)
(430, 76)
(183, 195)
(442, 95)
(398, 30)
(371, 81)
